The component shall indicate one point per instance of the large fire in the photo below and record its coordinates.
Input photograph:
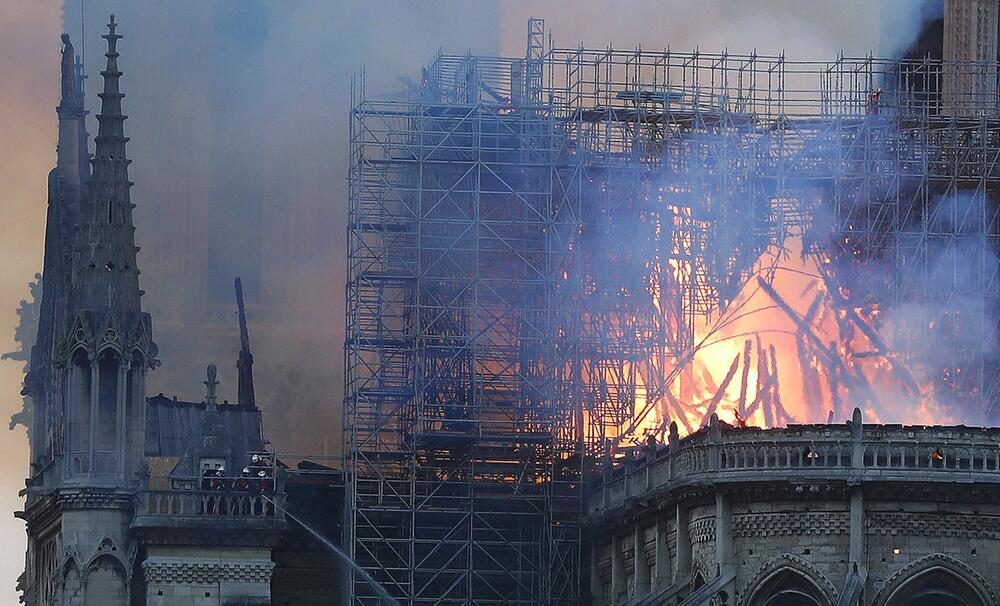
(788, 349)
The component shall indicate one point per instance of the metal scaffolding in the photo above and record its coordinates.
(533, 240)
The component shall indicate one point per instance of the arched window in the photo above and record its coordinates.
(935, 587)
(79, 400)
(788, 587)
(106, 583)
(107, 404)
(71, 584)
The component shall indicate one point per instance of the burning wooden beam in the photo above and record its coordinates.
(810, 378)
(829, 353)
(678, 411)
(763, 386)
(779, 408)
(720, 392)
(833, 379)
(741, 406)
(902, 373)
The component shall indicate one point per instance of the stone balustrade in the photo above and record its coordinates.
(717, 454)
(188, 503)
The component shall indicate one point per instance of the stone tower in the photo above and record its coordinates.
(970, 56)
(129, 500)
(86, 379)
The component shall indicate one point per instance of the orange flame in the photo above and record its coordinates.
(787, 350)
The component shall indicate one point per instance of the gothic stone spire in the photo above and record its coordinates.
(66, 187)
(106, 290)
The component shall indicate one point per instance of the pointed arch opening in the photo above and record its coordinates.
(79, 392)
(106, 430)
(71, 585)
(788, 587)
(935, 586)
(107, 582)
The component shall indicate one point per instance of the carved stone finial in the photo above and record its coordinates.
(674, 436)
(856, 424)
(211, 384)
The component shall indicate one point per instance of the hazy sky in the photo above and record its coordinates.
(311, 49)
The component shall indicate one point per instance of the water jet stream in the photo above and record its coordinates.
(382, 593)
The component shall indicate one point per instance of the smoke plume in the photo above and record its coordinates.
(238, 119)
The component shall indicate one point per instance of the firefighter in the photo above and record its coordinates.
(243, 482)
(219, 481)
(263, 480)
(872, 102)
(206, 478)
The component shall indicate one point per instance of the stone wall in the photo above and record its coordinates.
(203, 576)
(839, 514)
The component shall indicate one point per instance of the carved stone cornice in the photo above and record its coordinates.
(185, 573)
(41, 511)
(795, 523)
(950, 524)
(85, 498)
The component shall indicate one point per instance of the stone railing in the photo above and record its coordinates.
(240, 497)
(848, 451)
(185, 503)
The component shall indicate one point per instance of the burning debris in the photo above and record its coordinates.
(793, 347)
(632, 243)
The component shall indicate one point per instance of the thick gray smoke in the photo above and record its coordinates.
(239, 126)
(803, 29)
(239, 113)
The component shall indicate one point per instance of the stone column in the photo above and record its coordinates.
(642, 585)
(724, 547)
(725, 552)
(672, 447)
(682, 564)
(70, 394)
(857, 448)
(662, 572)
(857, 538)
(857, 553)
(95, 394)
(617, 570)
(135, 409)
(120, 399)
